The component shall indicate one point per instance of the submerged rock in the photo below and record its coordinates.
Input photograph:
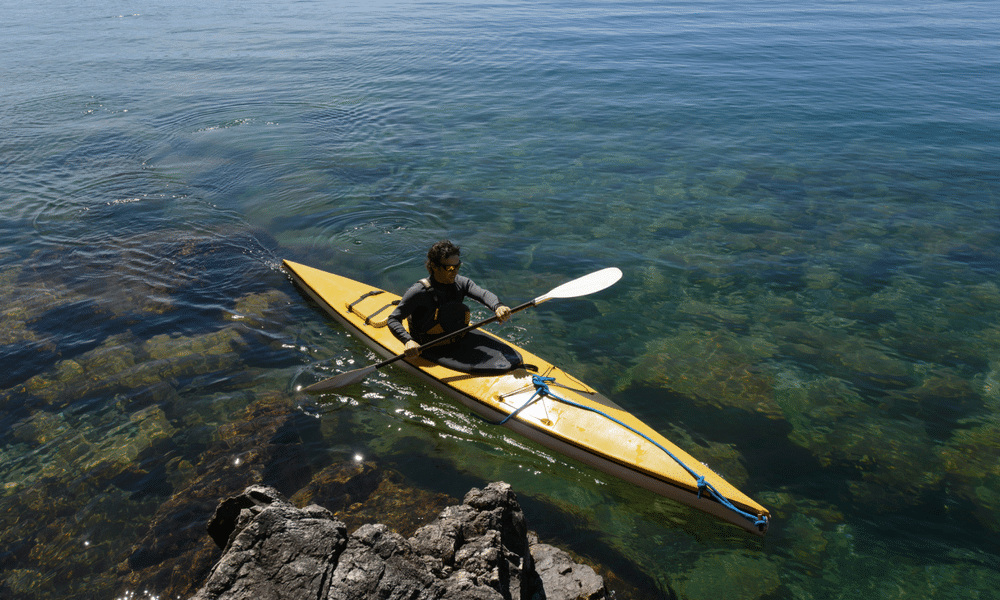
(739, 575)
(171, 555)
(887, 463)
(850, 357)
(359, 492)
(717, 369)
(122, 364)
(972, 470)
(258, 310)
(479, 549)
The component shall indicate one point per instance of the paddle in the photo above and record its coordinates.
(588, 284)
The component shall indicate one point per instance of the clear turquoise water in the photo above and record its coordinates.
(803, 198)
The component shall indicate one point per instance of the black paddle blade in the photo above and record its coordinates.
(342, 380)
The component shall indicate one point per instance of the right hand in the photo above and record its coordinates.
(411, 349)
(503, 313)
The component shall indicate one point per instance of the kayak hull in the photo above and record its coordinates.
(571, 419)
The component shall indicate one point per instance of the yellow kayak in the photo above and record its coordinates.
(548, 406)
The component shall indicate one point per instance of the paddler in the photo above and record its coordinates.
(433, 306)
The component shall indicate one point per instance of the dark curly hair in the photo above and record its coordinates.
(439, 252)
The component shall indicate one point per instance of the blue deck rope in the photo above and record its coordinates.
(538, 394)
(542, 389)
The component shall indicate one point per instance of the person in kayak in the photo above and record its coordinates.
(433, 306)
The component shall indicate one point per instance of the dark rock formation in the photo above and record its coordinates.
(561, 577)
(480, 549)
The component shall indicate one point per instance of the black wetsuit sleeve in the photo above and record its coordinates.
(481, 295)
(411, 301)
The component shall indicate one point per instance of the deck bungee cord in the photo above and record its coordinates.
(541, 384)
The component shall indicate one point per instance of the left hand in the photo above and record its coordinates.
(503, 313)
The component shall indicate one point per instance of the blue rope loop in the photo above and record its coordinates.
(541, 384)
(542, 389)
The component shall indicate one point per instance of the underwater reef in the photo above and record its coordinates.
(141, 393)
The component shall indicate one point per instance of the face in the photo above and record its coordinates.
(447, 270)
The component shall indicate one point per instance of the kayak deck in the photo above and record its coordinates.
(550, 407)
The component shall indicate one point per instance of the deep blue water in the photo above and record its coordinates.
(803, 198)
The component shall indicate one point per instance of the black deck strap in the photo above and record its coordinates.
(350, 307)
(368, 319)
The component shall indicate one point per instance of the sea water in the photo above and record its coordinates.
(803, 198)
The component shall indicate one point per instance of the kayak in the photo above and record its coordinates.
(542, 403)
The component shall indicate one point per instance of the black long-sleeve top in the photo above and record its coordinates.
(419, 304)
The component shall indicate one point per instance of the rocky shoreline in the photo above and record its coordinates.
(478, 550)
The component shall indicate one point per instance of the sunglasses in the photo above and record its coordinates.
(450, 268)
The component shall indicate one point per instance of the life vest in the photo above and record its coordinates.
(448, 317)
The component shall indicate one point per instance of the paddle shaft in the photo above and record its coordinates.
(581, 286)
(462, 331)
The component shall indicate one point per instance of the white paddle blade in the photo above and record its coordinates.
(588, 284)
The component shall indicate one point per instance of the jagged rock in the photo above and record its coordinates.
(563, 578)
(279, 551)
(479, 550)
